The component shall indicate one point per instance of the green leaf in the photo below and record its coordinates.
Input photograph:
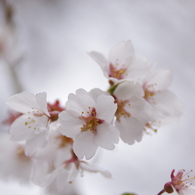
(111, 90)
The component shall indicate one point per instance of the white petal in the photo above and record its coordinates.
(48, 153)
(120, 52)
(80, 102)
(167, 104)
(41, 99)
(34, 143)
(92, 168)
(22, 102)
(19, 131)
(131, 130)
(100, 59)
(61, 179)
(84, 99)
(73, 172)
(51, 178)
(70, 123)
(127, 89)
(137, 67)
(106, 136)
(140, 109)
(62, 154)
(188, 191)
(84, 145)
(42, 122)
(105, 108)
(72, 103)
(160, 78)
(94, 93)
(40, 170)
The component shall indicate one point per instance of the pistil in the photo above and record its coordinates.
(91, 122)
(118, 74)
(121, 109)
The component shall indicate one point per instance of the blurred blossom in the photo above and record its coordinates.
(15, 165)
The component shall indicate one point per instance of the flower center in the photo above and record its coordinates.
(116, 73)
(63, 141)
(181, 181)
(121, 110)
(20, 153)
(91, 122)
(150, 92)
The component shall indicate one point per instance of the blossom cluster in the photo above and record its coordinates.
(180, 183)
(58, 140)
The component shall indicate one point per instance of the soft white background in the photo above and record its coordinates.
(57, 34)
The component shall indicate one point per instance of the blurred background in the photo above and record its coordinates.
(48, 41)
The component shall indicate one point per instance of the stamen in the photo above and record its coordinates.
(120, 109)
(181, 181)
(117, 73)
(149, 126)
(32, 121)
(91, 122)
(150, 92)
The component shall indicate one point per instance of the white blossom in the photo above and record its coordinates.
(122, 62)
(167, 107)
(133, 111)
(56, 165)
(14, 164)
(32, 125)
(89, 122)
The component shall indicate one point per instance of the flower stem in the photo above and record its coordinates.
(161, 192)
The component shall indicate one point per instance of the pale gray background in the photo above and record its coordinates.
(55, 36)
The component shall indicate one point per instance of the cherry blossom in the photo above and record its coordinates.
(89, 122)
(56, 142)
(122, 63)
(167, 107)
(56, 164)
(133, 112)
(47, 175)
(15, 165)
(32, 125)
(181, 183)
(48, 160)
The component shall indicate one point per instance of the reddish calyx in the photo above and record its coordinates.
(54, 110)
